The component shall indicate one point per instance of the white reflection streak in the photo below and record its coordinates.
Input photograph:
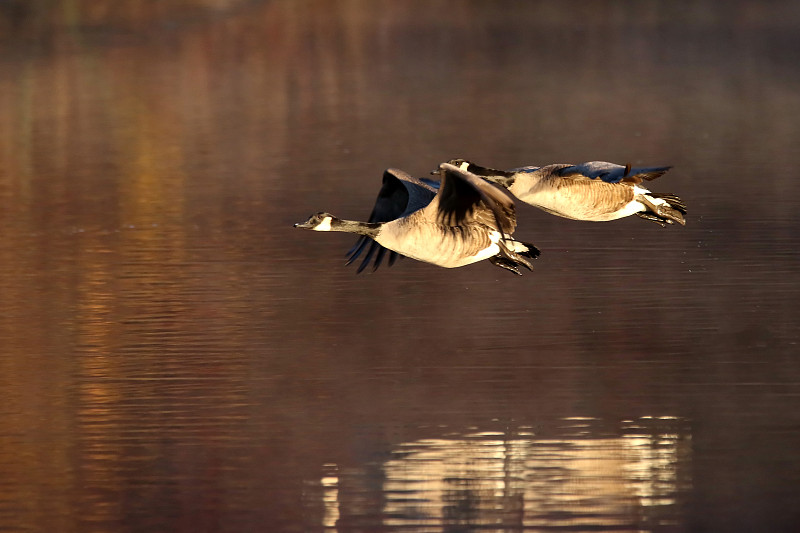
(653, 467)
(442, 474)
(330, 498)
(481, 479)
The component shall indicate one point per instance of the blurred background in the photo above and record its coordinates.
(174, 356)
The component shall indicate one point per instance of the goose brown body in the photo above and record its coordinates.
(595, 191)
(575, 196)
(445, 245)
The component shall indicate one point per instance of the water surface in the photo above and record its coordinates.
(176, 357)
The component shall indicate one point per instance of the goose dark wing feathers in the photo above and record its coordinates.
(401, 194)
(611, 173)
(464, 197)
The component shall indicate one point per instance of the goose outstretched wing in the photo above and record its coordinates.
(400, 195)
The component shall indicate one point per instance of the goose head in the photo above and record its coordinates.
(492, 174)
(463, 164)
(318, 222)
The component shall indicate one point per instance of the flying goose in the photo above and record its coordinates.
(468, 220)
(595, 191)
(400, 195)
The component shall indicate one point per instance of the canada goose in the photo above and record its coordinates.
(400, 195)
(595, 191)
(468, 220)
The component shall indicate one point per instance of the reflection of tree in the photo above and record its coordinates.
(118, 336)
(31, 19)
(461, 499)
(468, 501)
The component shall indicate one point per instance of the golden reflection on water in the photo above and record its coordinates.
(330, 496)
(511, 479)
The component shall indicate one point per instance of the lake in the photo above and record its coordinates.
(175, 356)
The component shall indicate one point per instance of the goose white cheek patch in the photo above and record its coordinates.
(325, 225)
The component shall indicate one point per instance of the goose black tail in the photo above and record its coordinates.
(532, 252)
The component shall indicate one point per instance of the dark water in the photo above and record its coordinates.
(175, 357)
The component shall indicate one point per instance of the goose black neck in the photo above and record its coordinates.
(370, 229)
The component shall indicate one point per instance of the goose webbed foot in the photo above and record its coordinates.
(507, 264)
(664, 213)
(657, 219)
(671, 215)
(514, 257)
